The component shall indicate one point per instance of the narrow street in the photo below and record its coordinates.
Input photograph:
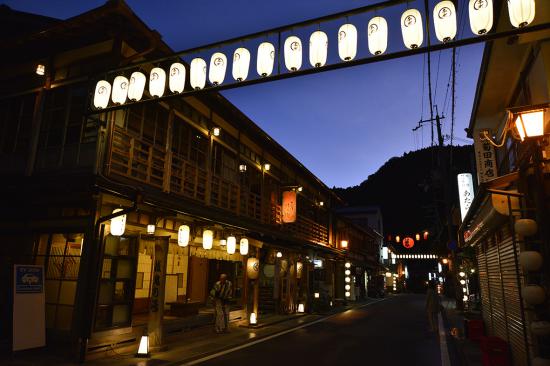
(389, 332)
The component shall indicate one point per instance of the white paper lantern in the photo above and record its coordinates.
(102, 94)
(218, 65)
(300, 308)
(481, 16)
(241, 64)
(377, 35)
(137, 85)
(522, 12)
(118, 224)
(347, 42)
(243, 246)
(445, 21)
(526, 227)
(411, 28)
(531, 260)
(533, 294)
(266, 59)
(198, 73)
(207, 239)
(252, 268)
(176, 82)
(184, 232)
(231, 245)
(293, 53)
(157, 82)
(120, 90)
(318, 48)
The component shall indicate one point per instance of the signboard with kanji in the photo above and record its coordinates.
(465, 192)
(485, 158)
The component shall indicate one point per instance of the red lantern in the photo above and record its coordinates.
(408, 242)
(425, 235)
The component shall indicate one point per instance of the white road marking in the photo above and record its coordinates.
(264, 339)
(445, 360)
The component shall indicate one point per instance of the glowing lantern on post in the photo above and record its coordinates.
(253, 268)
(293, 53)
(318, 46)
(207, 239)
(143, 349)
(481, 16)
(411, 28)
(266, 59)
(102, 94)
(157, 82)
(347, 42)
(301, 308)
(137, 85)
(218, 65)
(253, 319)
(445, 20)
(243, 246)
(231, 245)
(176, 82)
(120, 90)
(118, 223)
(241, 63)
(183, 235)
(377, 35)
(198, 73)
(522, 12)
(530, 124)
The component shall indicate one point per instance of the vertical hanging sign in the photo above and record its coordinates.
(156, 306)
(485, 158)
(29, 307)
(289, 207)
(465, 192)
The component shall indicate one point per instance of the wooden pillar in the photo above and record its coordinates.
(256, 299)
(245, 287)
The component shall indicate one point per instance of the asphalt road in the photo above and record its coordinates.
(390, 332)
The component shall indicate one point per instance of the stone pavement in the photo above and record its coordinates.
(183, 347)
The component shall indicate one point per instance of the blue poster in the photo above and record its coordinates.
(29, 279)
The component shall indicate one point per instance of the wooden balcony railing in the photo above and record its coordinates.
(142, 161)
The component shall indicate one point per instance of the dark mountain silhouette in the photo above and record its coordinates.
(408, 189)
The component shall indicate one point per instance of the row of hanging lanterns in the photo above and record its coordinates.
(416, 256)
(521, 12)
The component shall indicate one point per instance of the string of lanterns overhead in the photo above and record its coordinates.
(521, 13)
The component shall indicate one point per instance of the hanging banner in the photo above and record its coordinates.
(465, 192)
(485, 159)
(29, 307)
(289, 207)
(156, 305)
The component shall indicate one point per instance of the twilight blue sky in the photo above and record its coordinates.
(344, 124)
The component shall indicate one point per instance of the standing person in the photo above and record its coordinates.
(221, 294)
(432, 305)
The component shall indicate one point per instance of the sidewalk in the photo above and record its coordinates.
(466, 351)
(188, 346)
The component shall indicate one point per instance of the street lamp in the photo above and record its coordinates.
(530, 123)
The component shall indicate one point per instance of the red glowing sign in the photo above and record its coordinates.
(408, 242)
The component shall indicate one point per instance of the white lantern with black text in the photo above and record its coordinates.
(241, 63)
(198, 73)
(176, 82)
(207, 239)
(231, 244)
(481, 16)
(522, 12)
(218, 65)
(318, 48)
(102, 94)
(243, 246)
(377, 31)
(445, 21)
(253, 268)
(347, 42)
(411, 28)
(136, 87)
(157, 82)
(120, 90)
(183, 235)
(118, 223)
(293, 53)
(266, 59)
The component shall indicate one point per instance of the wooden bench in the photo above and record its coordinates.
(182, 309)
